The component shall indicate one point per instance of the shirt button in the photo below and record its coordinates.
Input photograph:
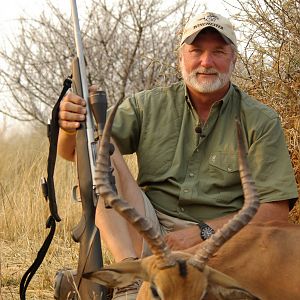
(197, 150)
(181, 208)
(191, 174)
(185, 190)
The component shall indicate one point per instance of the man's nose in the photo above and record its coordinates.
(206, 59)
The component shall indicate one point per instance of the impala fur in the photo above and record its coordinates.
(173, 275)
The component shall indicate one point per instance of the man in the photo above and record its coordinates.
(185, 139)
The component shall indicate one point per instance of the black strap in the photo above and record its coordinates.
(39, 258)
(53, 137)
(48, 192)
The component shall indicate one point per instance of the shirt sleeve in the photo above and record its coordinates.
(126, 126)
(271, 165)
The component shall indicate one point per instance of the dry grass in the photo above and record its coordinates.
(23, 213)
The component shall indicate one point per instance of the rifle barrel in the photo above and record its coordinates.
(84, 87)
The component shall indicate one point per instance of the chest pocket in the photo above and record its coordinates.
(157, 148)
(224, 169)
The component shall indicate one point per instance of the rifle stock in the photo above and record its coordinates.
(86, 232)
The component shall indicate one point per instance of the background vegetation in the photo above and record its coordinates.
(129, 46)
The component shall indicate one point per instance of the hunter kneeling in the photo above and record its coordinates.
(185, 139)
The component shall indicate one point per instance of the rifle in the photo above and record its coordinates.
(85, 233)
(69, 284)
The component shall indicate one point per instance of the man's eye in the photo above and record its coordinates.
(219, 52)
(195, 52)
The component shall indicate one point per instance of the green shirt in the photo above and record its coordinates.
(195, 176)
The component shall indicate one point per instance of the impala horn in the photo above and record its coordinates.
(103, 186)
(242, 218)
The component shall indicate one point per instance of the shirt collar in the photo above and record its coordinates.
(224, 100)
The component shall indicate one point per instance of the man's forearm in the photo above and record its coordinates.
(66, 145)
(271, 211)
(189, 238)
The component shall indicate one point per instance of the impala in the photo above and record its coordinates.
(255, 262)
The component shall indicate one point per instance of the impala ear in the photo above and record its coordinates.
(118, 275)
(226, 288)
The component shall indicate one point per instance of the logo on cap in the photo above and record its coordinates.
(211, 18)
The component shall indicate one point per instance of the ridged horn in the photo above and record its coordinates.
(103, 186)
(242, 218)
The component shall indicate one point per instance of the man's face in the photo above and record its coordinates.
(207, 64)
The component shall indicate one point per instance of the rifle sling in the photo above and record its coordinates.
(48, 192)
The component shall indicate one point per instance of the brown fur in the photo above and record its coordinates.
(265, 259)
(168, 283)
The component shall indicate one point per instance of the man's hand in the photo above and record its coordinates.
(184, 238)
(71, 112)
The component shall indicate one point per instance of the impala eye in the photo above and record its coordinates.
(154, 292)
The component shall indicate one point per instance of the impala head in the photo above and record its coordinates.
(173, 275)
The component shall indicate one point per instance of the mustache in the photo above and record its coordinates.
(203, 70)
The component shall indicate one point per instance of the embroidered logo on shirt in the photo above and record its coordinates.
(213, 158)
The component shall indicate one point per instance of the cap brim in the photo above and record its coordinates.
(190, 39)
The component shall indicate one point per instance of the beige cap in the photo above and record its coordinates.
(208, 19)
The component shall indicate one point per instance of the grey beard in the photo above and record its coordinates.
(206, 86)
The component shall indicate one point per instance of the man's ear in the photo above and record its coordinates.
(225, 287)
(118, 275)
